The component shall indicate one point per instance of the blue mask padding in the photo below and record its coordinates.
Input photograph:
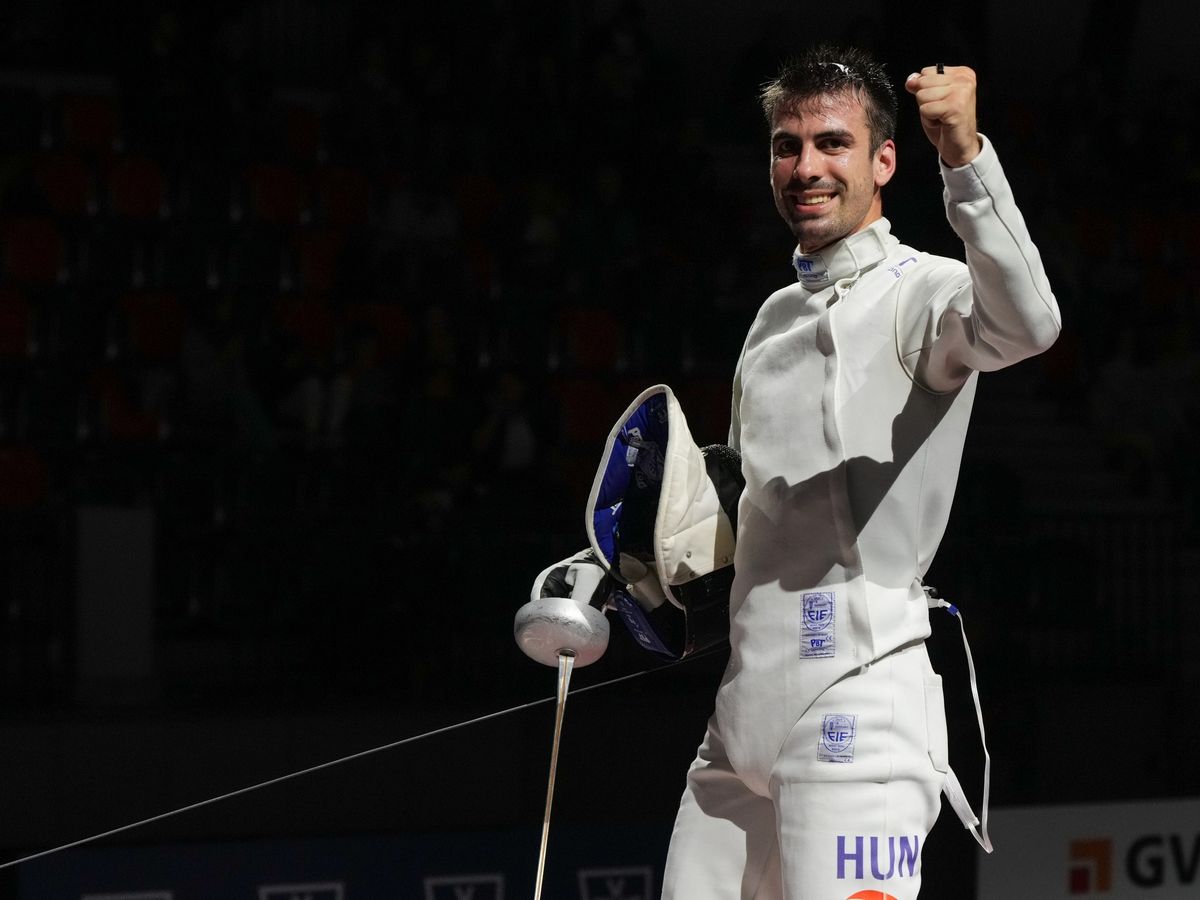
(639, 447)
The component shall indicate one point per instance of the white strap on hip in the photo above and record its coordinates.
(952, 788)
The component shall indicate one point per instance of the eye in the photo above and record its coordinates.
(785, 148)
(838, 141)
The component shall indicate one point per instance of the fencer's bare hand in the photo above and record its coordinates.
(946, 103)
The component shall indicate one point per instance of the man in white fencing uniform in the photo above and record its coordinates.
(820, 774)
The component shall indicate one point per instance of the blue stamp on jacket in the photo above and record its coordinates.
(818, 613)
(837, 738)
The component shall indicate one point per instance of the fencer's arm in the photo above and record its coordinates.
(1005, 310)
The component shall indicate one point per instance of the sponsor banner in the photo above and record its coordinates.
(327, 891)
(465, 887)
(588, 862)
(617, 884)
(1123, 851)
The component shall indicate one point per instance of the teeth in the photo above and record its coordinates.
(816, 201)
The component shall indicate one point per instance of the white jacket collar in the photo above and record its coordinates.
(844, 258)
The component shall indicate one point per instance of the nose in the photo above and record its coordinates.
(808, 164)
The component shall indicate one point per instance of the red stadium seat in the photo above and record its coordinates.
(317, 252)
(587, 409)
(156, 322)
(137, 188)
(591, 339)
(16, 322)
(302, 128)
(343, 195)
(120, 416)
(389, 323)
(34, 250)
(275, 194)
(66, 183)
(310, 321)
(23, 477)
(91, 123)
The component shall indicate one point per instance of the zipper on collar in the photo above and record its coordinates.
(843, 286)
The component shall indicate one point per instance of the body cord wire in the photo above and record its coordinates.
(344, 759)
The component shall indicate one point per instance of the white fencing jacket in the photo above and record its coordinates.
(850, 407)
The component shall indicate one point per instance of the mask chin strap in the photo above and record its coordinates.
(952, 788)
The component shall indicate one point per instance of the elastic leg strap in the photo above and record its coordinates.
(952, 788)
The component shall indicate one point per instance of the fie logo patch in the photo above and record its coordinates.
(818, 634)
(837, 738)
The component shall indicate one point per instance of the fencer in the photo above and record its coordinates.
(819, 776)
(820, 772)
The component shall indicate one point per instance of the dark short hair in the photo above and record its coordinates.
(826, 70)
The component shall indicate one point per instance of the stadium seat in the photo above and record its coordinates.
(34, 251)
(66, 182)
(343, 196)
(275, 194)
(136, 188)
(90, 123)
(16, 323)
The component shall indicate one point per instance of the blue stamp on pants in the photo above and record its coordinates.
(837, 738)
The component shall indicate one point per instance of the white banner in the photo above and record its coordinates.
(1123, 851)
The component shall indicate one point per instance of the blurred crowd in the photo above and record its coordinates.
(351, 298)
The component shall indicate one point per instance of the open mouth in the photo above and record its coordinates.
(808, 202)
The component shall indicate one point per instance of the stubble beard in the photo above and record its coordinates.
(817, 233)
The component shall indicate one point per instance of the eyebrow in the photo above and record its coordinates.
(843, 133)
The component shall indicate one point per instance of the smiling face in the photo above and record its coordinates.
(824, 176)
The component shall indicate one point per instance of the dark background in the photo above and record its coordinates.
(314, 316)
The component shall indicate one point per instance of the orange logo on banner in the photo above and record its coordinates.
(1091, 866)
(870, 895)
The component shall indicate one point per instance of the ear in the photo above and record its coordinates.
(885, 163)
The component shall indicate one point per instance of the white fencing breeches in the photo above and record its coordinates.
(852, 796)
